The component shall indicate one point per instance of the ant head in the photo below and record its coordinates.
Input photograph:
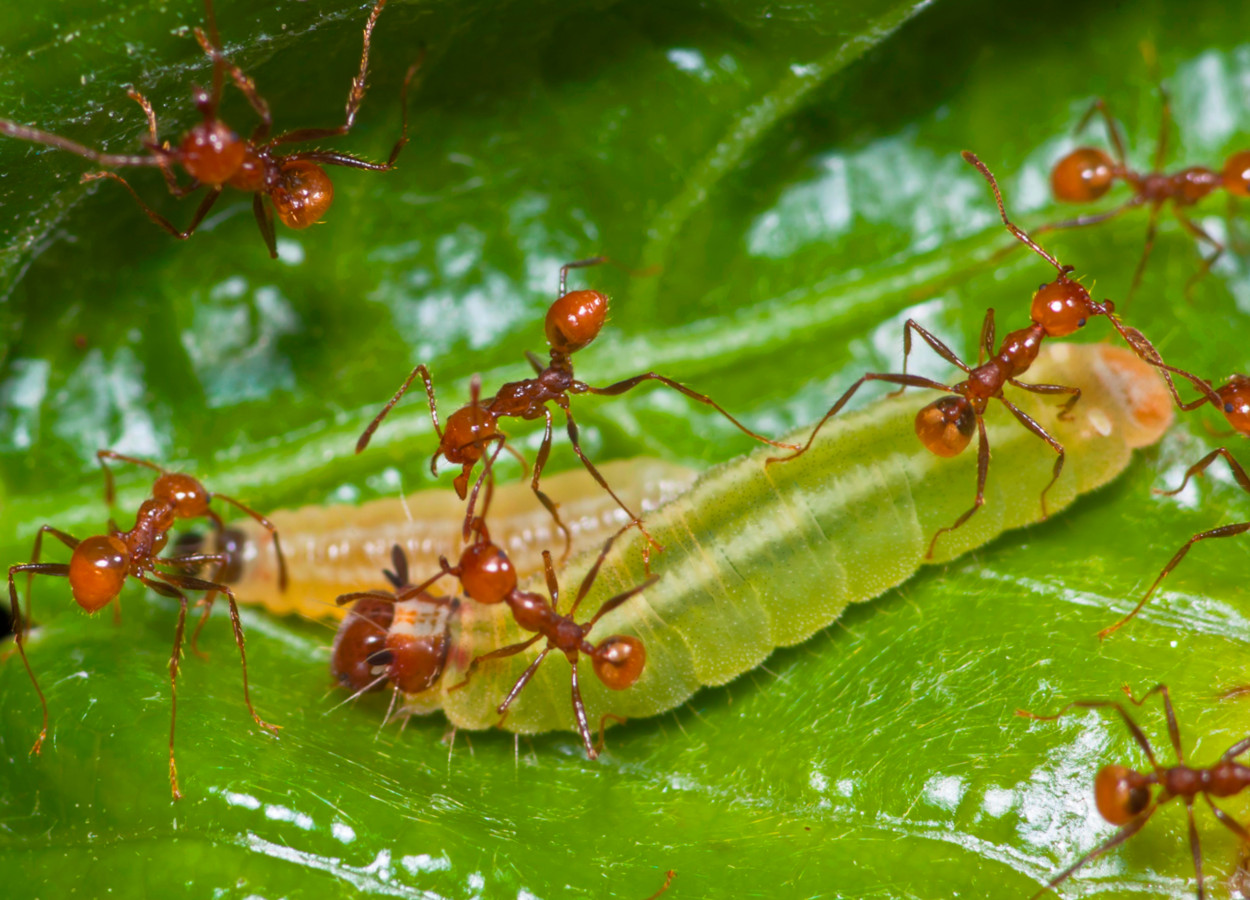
(531, 611)
(1236, 174)
(97, 571)
(1084, 174)
(360, 636)
(1236, 399)
(187, 496)
(1120, 794)
(946, 426)
(211, 152)
(575, 320)
(466, 433)
(303, 194)
(1062, 306)
(486, 573)
(619, 661)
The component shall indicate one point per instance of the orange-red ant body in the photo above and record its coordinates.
(1124, 795)
(487, 576)
(99, 566)
(946, 426)
(573, 321)
(400, 636)
(216, 157)
(1087, 173)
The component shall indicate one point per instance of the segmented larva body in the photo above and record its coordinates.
(759, 557)
(337, 549)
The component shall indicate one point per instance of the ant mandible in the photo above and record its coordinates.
(573, 321)
(1124, 795)
(1087, 173)
(296, 184)
(945, 427)
(99, 566)
(487, 576)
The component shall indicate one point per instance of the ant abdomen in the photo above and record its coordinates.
(946, 425)
(575, 319)
(303, 194)
(1084, 174)
(1120, 794)
(97, 570)
(619, 661)
(359, 639)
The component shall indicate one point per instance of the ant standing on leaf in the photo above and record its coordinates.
(1124, 796)
(296, 184)
(573, 321)
(946, 426)
(99, 566)
(1087, 173)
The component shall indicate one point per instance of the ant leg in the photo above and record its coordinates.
(421, 370)
(1091, 218)
(344, 599)
(986, 347)
(908, 380)
(579, 264)
(264, 221)
(1017, 233)
(166, 591)
(1145, 350)
(355, 95)
(589, 579)
(535, 362)
(521, 682)
(67, 540)
(268, 526)
(246, 86)
(510, 650)
(21, 624)
(571, 428)
(1161, 145)
(614, 602)
(1200, 234)
(1196, 470)
(186, 582)
(1065, 411)
(553, 584)
(579, 712)
(201, 211)
(1222, 532)
(1113, 130)
(159, 150)
(621, 387)
(1228, 821)
(987, 328)
(599, 747)
(487, 476)
(1194, 846)
(1152, 228)
(207, 602)
(102, 455)
(1116, 840)
(38, 136)
(1174, 730)
(983, 468)
(669, 875)
(544, 450)
(1138, 735)
(1035, 427)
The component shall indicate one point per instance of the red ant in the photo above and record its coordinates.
(1196, 470)
(487, 576)
(1087, 173)
(946, 426)
(399, 636)
(573, 321)
(99, 566)
(298, 188)
(1123, 795)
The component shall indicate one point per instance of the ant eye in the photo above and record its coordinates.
(1228, 407)
(1080, 323)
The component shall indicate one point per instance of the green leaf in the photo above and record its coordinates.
(793, 171)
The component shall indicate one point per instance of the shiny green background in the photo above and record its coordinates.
(793, 169)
